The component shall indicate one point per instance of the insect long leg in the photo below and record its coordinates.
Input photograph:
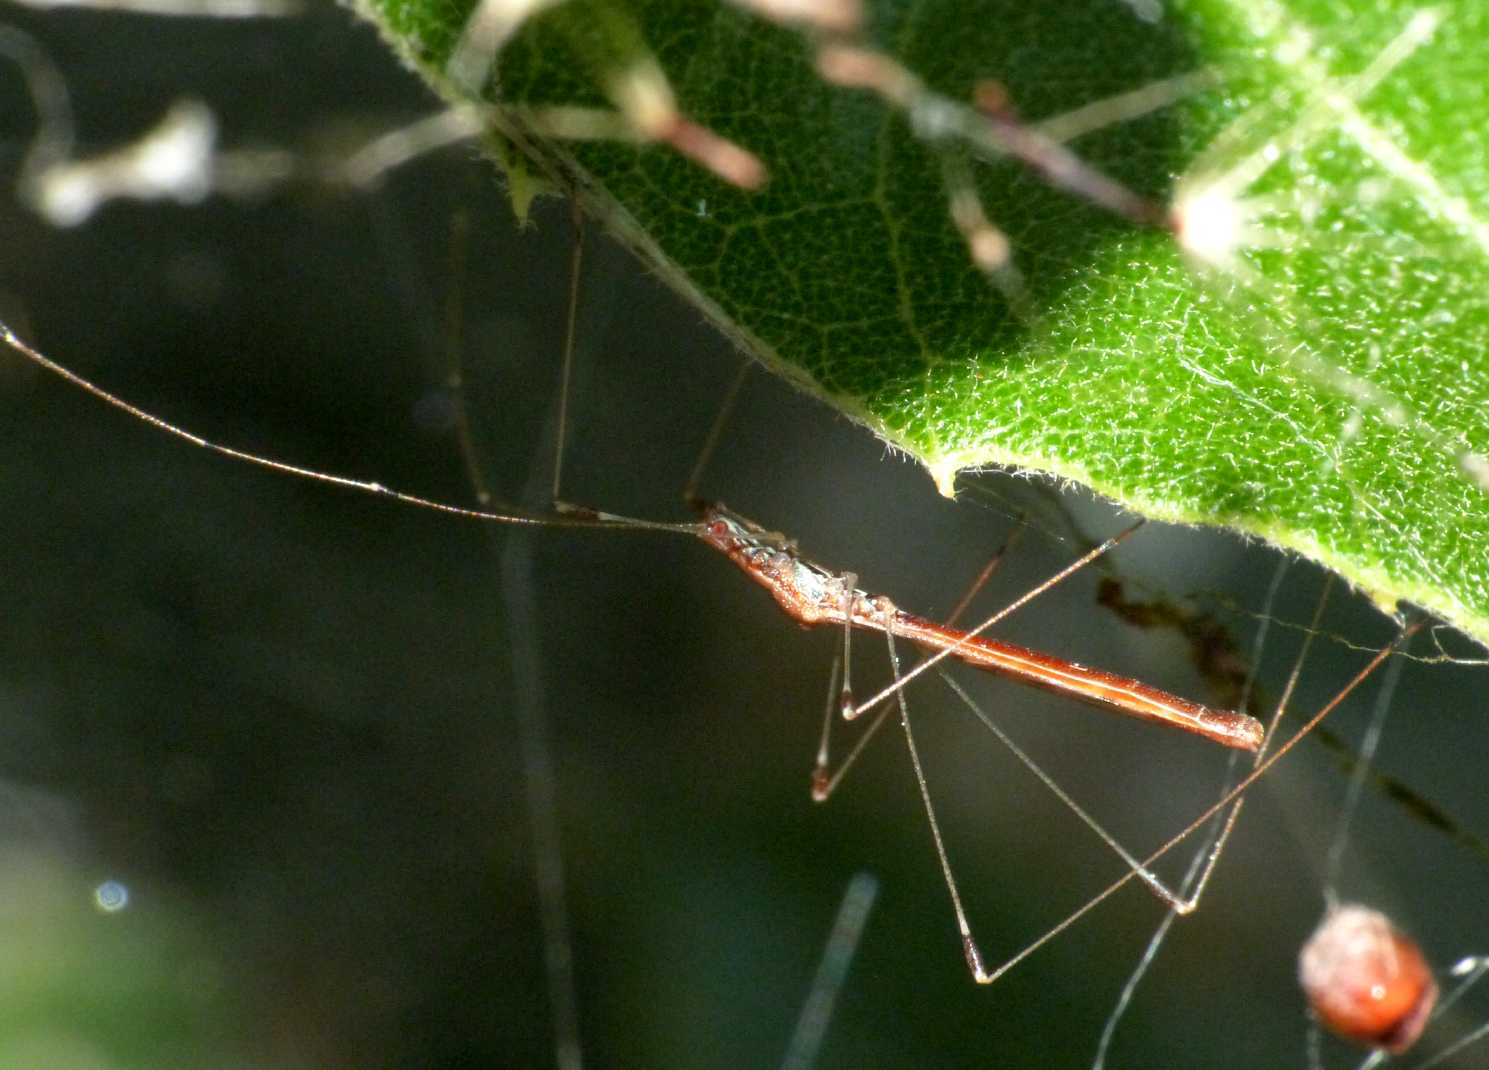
(849, 582)
(455, 362)
(1148, 877)
(1223, 803)
(715, 435)
(566, 375)
(987, 246)
(986, 574)
(1214, 851)
(1181, 901)
(1206, 848)
(952, 648)
(824, 781)
(969, 945)
(975, 961)
(588, 518)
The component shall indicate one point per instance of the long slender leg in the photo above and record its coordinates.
(849, 581)
(715, 435)
(1224, 803)
(1261, 762)
(969, 946)
(566, 375)
(1148, 877)
(1191, 874)
(824, 782)
(926, 664)
(987, 246)
(999, 555)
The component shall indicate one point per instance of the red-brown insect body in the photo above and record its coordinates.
(814, 595)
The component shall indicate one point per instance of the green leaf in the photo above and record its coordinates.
(1311, 371)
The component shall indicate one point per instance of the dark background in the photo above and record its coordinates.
(289, 718)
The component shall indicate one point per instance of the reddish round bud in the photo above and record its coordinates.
(1366, 981)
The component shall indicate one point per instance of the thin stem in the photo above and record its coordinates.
(832, 971)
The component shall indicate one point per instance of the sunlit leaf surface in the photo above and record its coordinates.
(1298, 352)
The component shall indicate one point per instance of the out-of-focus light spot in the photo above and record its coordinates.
(437, 410)
(174, 161)
(111, 897)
